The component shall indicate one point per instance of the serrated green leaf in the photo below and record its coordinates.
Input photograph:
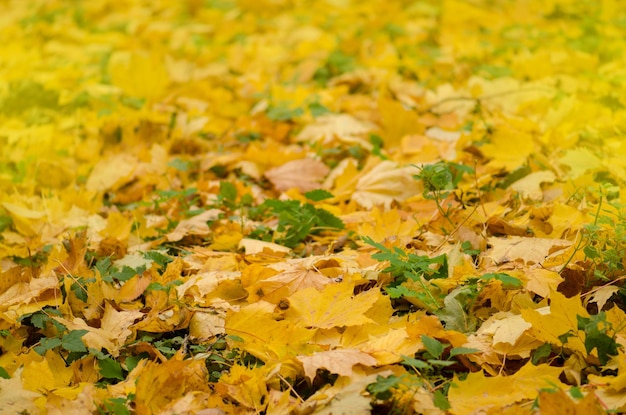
(46, 344)
(73, 342)
(441, 401)
(416, 363)
(507, 280)
(110, 369)
(318, 195)
(433, 346)
(455, 351)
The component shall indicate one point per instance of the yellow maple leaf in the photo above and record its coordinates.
(499, 148)
(333, 306)
(339, 361)
(551, 324)
(15, 399)
(477, 392)
(384, 183)
(246, 385)
(139, 74)
(392, 226)
(278, 339)
(158, 384)
(398, 121)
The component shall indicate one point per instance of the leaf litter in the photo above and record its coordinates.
(244, 207)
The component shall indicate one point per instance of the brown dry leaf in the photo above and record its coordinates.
(339, 361)
(304, 174)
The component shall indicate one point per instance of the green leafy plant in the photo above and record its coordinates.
(405, 266)
(296, 220)
(600, 335)
(429, 371)
(439, 180)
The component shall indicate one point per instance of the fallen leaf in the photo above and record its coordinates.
(196, 225)
(304, 174)
(336, 361)
(334, 306)
(480, 393)
(385, 183)
(560, 319)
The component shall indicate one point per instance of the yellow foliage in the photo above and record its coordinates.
(277, 206)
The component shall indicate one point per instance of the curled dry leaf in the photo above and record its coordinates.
(196, 225)
(337, 127)
(385, 183)
(338, 361)
(304, 174)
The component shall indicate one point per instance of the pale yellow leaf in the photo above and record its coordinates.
(384, 184)
(530, 186)
(527, 250)
(196, 225)
(112, 172)
(304, 174)
(337, 127)
(339, 361)
(15, 399)
(578, 161)
(254, 246)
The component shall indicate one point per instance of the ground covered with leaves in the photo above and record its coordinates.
(331, 207)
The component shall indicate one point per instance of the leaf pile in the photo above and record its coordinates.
(282, 206)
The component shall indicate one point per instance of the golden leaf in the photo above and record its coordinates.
(477, 392)
(550, 323)
(304, 175)
(338, 361)
(385, 183)
(334, 306)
